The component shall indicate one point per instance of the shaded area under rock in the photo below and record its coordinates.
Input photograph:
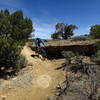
(54, 52)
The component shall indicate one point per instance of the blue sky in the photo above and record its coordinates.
(46, 13)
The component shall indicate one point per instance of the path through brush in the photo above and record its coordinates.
(35, 82)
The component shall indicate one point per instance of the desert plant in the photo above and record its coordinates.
(14, 32)
(20, 63)
(55, 36)
(82, 81)
(95, 31)
(80, 38)
(97, 45)
(15, 26)
(9, 53)
(96, 57)
(68, 55)
(80, 87)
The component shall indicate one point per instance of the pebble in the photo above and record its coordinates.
(3, 97)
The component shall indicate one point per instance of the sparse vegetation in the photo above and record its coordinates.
(82, 81)
(68, 55)
(96, 56)
(9, 53)
(97, 45)
(55, 36)
(80, 38)
(95, 31)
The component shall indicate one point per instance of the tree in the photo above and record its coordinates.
(22, 27)
(9, 52)
(15, 30)
(5, 27)
(95, 31)
(69, 31)
(15, 25)
(6, 13)
(55, 36)
(60, 27)
(65, 31)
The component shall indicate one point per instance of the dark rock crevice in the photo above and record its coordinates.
(54, 52)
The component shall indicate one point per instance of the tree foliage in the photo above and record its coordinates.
(9, 52)
(15, 25)
(69, 31)
(96, 56)
(15, 30)
(95, 31)
(55, 36)
(65, 31)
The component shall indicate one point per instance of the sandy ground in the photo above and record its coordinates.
(36, 82)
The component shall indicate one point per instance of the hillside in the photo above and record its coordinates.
(54, 48)
(39, 79)
(35, 82)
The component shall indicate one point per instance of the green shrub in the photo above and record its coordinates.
(45, 40)
(55, 36)
(15, 30)
(10, 54)
(15, 26)
(21, 63)
(96, 57)
(80, 38)
(68, 54)
(95, 31)
(81, 80)
(97, 45)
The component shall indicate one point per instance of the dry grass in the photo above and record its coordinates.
(65, 42)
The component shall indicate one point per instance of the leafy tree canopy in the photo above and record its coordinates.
(64, 30)
(15, 25)
(15, 30)
(95, 31)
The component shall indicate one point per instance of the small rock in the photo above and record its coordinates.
(7, 77)
(3, 97)
(9, 87)
(2, 68)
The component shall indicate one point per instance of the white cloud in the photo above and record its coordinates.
(43, 29)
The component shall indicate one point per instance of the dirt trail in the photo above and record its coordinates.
(38, 81)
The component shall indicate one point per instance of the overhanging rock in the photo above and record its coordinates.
(54, 52)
